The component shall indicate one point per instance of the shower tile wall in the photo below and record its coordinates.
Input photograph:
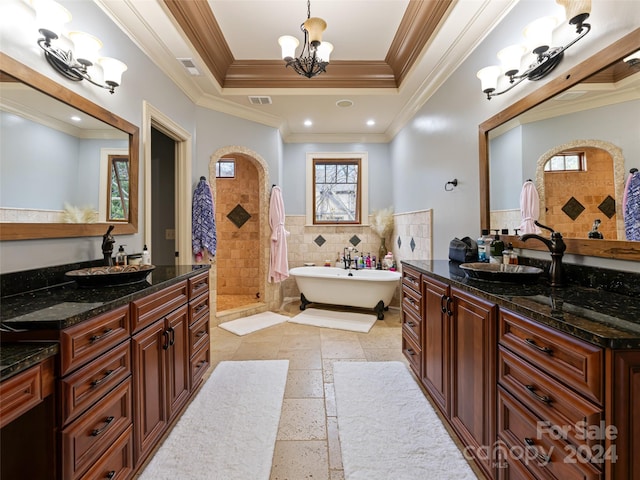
(238, 248)
(303, 246)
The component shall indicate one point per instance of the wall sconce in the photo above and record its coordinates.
(633, 60)
(538, 34)
(74, 64)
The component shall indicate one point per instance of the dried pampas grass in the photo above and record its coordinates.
(72, 214)
(382, 222)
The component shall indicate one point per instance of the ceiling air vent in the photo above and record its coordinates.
(188, 64)
(256, 100)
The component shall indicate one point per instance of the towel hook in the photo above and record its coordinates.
(453, 182)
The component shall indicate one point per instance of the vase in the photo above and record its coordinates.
(382, 251)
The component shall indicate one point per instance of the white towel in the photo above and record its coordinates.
(529, 208)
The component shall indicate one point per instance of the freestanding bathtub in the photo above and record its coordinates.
(335, 286)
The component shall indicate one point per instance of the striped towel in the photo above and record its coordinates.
(203, 220)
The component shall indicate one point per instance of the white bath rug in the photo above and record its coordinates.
(356, 322)
(387, 427)
(253, 323)
(229, 430)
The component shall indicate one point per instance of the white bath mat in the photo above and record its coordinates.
(253, 323)
(229, 430)
(356, 322)
(387, 427)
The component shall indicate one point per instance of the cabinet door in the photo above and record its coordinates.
(435, 349)
(473, 372)
(177, 357)
(149, 365)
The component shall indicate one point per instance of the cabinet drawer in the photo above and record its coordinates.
(198, 335)
(24, 391)
(411, 278)
(117, 461)
(86, 439)
(199, 365)
(412, 323)
(550, 400)
(156, 305)
(576, 363)
(93, 381)
(411, 301)
(85, 341)
(198, 308)
(547, 457)
(412, 351)
(198, 284)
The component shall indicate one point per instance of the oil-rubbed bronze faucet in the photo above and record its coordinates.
(557, 247)
(107, 246)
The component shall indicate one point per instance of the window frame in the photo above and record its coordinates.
(125, 200)
(358, 209)
(225, 160)
(582, 160)
(363, 173)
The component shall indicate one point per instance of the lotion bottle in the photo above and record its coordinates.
(121, 256)
(146, 256)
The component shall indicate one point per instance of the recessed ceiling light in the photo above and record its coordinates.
(344, 103)
(371, 123)
(76, 118)
(308, 123)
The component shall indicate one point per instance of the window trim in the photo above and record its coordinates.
(581, 154)
(364, 185)
(226, 160)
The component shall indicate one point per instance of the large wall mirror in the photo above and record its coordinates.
(62, 177)
(515, 145)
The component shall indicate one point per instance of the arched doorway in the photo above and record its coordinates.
(604, 177)
(242, 257)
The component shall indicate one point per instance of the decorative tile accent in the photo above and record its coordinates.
(608, 206)
(412, 244)
(354, 240)
(573, 208)
(319, 240)
(238, 216)
(399, 242)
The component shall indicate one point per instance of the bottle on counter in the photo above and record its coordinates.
(367, 261)
(495, 249)
(146, 256)
(483, 246)
(121, 256)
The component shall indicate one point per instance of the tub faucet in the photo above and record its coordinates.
(348, 259)
(556, 246)
(107, 246)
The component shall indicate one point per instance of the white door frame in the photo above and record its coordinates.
(152, 117)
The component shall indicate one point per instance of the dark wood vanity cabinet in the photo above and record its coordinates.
(457, 357)
(526, 400)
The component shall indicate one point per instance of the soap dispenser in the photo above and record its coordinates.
(496, 248)
(121, 256)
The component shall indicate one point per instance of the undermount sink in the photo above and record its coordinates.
(110, 276)
(498, 272)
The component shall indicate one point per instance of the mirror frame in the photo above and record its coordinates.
(29, 231)
(615, 249)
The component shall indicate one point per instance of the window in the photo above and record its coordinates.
(226, 168)
(336, 192)
(118, 189)
(566, 162)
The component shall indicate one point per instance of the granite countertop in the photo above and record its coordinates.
(597, 316)
(67, 304)
(17, 357)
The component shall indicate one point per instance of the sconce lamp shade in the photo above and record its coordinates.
(489, 78)
(315, 26)
(577, 11)
(539, 34)
(288, 45)
(510, 58)
(324, 51)
(112, 70)
(50, 17)
(85, 47)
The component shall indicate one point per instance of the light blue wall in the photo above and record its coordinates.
(294, 164)
(441, 141)
(506, 177)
